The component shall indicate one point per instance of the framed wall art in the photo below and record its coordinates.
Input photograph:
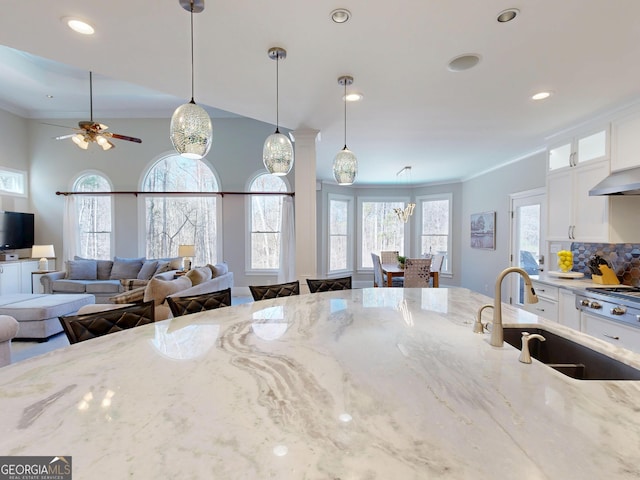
(483, 230)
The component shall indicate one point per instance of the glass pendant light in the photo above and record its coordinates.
(191, 131)
(277, 153)
(345, 164)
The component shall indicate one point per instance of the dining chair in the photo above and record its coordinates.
(389, 256)
(417, 273)
(436, 262)
(263, 292)
(329, 284)
(79, 328)
(198, 303)
(378, 277)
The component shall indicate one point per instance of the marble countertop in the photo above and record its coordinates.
(359, 384)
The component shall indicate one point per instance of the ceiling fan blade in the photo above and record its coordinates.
(56, 125)
(123, 137)
(62, 137)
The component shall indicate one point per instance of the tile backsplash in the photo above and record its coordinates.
(624, 259)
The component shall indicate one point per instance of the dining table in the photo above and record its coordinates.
(391, 270)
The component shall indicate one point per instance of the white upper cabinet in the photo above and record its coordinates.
(579, 150)
(625, 142)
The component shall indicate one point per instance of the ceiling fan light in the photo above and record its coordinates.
(345, 167)
(107, 145)
(102, 141)
(277, 154)
(191, 131)
(80, 141)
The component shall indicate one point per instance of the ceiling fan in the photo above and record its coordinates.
(90, 131)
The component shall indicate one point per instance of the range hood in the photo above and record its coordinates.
(624, 182)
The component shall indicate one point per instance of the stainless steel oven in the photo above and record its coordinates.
(619, 303)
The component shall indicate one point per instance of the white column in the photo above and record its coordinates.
(305, 205)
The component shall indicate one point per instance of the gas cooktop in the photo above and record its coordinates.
(619, 291)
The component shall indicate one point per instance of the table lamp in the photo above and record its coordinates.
(186, 252)
(43, 252)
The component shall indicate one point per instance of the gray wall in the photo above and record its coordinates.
(490, 192)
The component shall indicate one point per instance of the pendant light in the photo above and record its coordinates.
(277, 153)
(191, 131)
(345, 164)
(406, 212)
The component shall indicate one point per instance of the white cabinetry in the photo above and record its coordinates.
(26, 267)
(625, 142)
(10, 278)
(547, 306)
(577, 151)
(568, 314)
(572, 213)
(612, 332)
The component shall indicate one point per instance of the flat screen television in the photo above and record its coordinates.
(16, 230)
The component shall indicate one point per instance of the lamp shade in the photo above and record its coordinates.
(345, 167)
(40, 251)
(187, 251)
(191, 131)
(277, 154)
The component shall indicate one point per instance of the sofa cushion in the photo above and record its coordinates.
(82, 270)
(132, 283)
(69, 286)
(218, 269)
(148, 270)
(158, 289)
(199, 275)
(132, 296)
(104, 267)
(103, 286)
(126, 268)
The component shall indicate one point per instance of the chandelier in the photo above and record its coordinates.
(406, 212)
(191, 131)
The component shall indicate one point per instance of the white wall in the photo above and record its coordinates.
(490, 192)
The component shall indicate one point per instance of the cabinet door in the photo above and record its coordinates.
(591, 214)
(568, 314)
(612, 332)
(560, 156)
(559, 205)
(592, 147)
(25, 275)
(625, 142)
(10, 278)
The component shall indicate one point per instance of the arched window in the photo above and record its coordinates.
(266, 220)
(175, 220)
(94, 216)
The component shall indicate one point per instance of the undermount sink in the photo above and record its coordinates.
(571, 358)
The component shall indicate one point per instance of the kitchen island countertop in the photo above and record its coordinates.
(358, 384)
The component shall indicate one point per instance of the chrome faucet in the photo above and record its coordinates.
(497, 336)
(525, 355)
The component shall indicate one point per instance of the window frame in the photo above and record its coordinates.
(23, 180)
(350, 233)
(379, 199)
(249, 270)
(419, 233)
(142, 220)
(112, 222)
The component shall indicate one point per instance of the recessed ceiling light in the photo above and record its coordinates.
(353, 97)
(541, 95)
(79, 26)
(508, 15)
(49, 96)
(464, 62)
(340, 15)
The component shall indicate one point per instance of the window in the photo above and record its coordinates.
(340, 233)
(435, 227)
(12, 182)
(381, 229)
(174, 220)
(94, 216)
(266, 220)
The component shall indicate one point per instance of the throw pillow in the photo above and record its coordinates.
(218, 269)
(126, 268)
(132, 283)
(163, 266)
(148, 270)
(199, 275)
(104, 267)
(157, 289)
(82, 270)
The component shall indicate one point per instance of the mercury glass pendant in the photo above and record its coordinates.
(191, 131)
(345, 163)
(277, 154)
